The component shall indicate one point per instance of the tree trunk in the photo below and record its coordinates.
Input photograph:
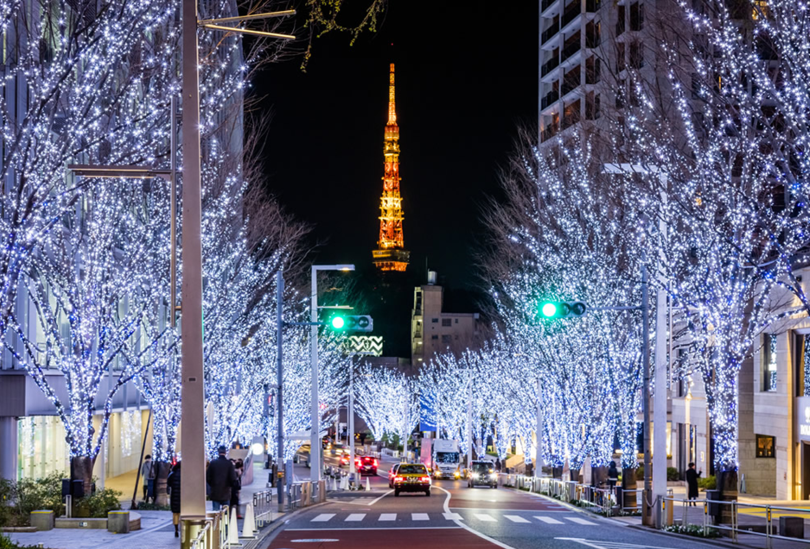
(161, 474)
(629, 484)
(81, 468)
(727, 484)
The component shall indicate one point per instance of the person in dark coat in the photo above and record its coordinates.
(173, 487)
(221, 477)
(613, 475)
(236, 488)
(692, 477)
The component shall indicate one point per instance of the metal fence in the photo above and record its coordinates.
(265, 507)
(768, 522)
(214, 533)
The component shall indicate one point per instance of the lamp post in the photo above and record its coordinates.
(315, 414)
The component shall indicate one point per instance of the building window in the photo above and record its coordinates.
(434, 320)
(636, 17)
(456, 321)
(769, 363)
(766, 446)
(447, 322)
(434, 337)
(446, 339)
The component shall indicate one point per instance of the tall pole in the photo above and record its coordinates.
(645, 386)
(315, 438)
(469, 419)
(280, 383)
(538, 450)
(173, 213)
(350, 419)
(659, 468)
(192, 404)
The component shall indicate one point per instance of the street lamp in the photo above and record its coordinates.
(315, 429)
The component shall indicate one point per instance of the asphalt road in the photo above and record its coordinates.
(457, 516)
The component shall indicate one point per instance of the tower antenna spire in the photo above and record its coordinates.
(390, 254)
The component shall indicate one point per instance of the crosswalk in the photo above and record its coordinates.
(423, 517)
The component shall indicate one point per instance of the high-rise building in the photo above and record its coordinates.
(390, 254)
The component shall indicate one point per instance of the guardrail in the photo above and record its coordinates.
(214, 533)
(265, 507)
(759, 518)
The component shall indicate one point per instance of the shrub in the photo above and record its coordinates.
(97, 505)
(26, 495)
(7, 543)
(640, 472)
(143, 506)
(673, 474)
(708, 483)
(693, 530)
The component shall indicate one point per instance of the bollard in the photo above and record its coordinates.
(233, 531)
(368, 485)
(249, 523)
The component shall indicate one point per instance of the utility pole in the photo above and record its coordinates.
(659, 467)
(315, 413)
(192, 431)
(645, 388)
(280, 390)
(350, 419)
(538, 451)
(469, 419)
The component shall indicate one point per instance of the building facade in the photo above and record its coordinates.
(435, 331)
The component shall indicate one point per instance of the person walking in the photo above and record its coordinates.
(236, 488)
(148, 475)
(613, 475)
(692, 477)
(173, 487)
(221, 477)
(498, 464)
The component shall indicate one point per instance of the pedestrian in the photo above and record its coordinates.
(235, 489)
(221, 477)
(148, 475)
(692, 477)
(498, 464)
(613, 475)
(173, 487)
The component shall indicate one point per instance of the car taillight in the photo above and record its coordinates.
(399, 479)
(424, 479)
(375, 462)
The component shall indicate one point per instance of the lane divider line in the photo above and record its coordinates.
(471, 530)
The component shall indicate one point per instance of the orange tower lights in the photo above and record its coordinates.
(390, 254)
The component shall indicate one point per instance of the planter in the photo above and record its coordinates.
(42, 520)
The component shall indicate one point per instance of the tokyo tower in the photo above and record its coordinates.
(390, 254)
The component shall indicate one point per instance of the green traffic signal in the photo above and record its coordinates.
(338, 322)
(549, 310)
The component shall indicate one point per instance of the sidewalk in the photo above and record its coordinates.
(157, 530)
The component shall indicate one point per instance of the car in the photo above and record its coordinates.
(482, 472)
(366, 465)
(392, 473)
(344, 460)
(412, 477)
(338, 449)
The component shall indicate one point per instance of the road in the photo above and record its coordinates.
(457, 516)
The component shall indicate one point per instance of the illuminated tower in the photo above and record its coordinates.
(390, 254)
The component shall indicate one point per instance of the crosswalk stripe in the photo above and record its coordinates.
(452, 516)
(581, 521)
(323, 517)
(419, 516)
(355, 517)
(549, 520)
(484, 518)
(388, 516)
(516, 518)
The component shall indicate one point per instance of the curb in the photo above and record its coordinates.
(712, 541)
(263, 536)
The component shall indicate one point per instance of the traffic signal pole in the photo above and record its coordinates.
(280, 390)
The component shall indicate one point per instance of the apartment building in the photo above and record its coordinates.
(435, 331)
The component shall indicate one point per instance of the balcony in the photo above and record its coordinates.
(571, 49)
(571, 81)
(549, 99)
(549, 132)
(592, 6)
(549, 66)
(571, 115)
(593, 72)
(546, 4)
(571, 13)
(549, 33)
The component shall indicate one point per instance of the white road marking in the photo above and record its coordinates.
(581, 521)
(549, 520)
(452, 516)
(323, 517)
(471, 530)
(516, 518)
(355, 517)
(484, 518)
(388, 516)
(419, 516)
(609, 544)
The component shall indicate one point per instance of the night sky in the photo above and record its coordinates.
(466, 75)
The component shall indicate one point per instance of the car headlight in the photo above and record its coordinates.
(475, 476)
(457, 474)
(493, 476)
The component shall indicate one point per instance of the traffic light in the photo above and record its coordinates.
(351, 323)
(562, 309)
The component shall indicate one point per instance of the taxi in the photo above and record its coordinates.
(411, 477)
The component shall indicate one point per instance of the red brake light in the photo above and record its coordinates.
(375, 462)
(399, 479)
(425, 479)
